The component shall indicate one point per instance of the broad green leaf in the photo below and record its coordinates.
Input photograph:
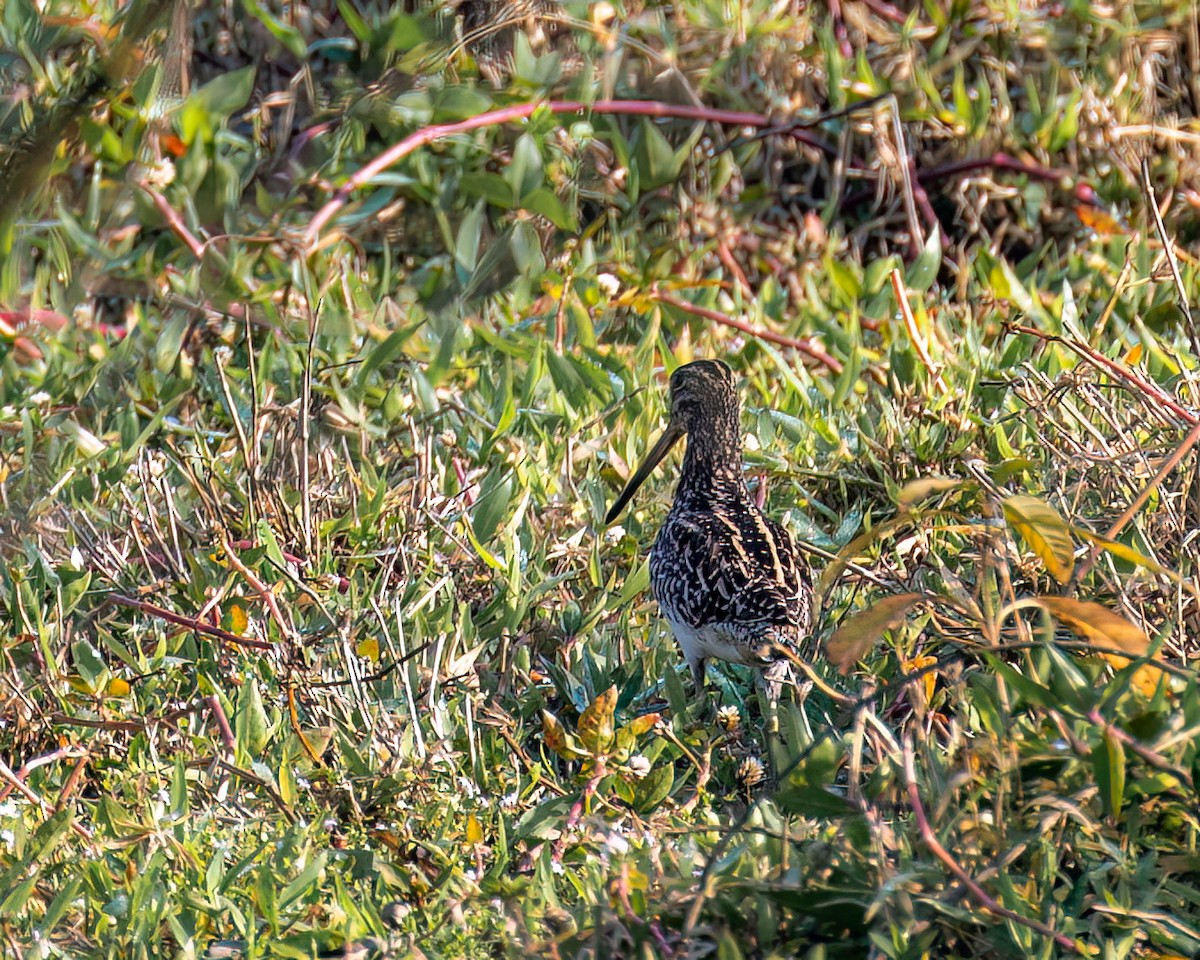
(863, 630)
(653, 788)
(226, 93)
(491, 508)
(545, 202)
(1045, 531)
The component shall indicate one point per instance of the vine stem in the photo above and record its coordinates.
(522, 111)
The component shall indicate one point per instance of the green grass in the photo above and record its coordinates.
(302, 543)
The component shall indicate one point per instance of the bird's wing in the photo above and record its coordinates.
(708, 571)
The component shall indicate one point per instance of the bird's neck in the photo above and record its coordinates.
(712, 466)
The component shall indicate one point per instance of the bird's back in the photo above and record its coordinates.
(729, 579)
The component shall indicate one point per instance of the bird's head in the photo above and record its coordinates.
(703, 400)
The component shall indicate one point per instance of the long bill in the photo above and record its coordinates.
(660, 449)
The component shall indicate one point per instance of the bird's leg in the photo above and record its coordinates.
(770, 686)
(697, 667)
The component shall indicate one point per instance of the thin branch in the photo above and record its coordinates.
(805, 345)
(192, 623)
(1126, 374)
(1169, 250)
(174, 220)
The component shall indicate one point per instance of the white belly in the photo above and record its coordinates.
(709, 641)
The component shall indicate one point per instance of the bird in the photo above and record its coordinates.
(729, 579)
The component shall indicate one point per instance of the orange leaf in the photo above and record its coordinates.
(1097, 624)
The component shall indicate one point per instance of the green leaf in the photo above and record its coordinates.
(653, 788)
(226, 93)
(467, 240)
(524, 173)
(656, 159)
(89, 664)
(281, 30)
(544, 201)
(250, 723)
(1108, 764)
(924, 269)
(1045, 531)
(458, 103)
(491, 508)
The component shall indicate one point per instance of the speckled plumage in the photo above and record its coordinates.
(729, 580)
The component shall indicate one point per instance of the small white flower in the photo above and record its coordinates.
(638, 765)
(609, 284)
(557, 867)
(471, 874)
(39, 399)
(616, 844)
(614, 533)
(728, 717)
(751, 772)
(510, 801)
(160, 174)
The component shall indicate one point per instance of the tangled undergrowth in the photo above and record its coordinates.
(315, 642)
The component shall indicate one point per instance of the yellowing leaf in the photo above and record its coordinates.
(236, 618)
(928, 680)
(553, 732)
(118, 687)
(474, 830)
(858, 634)
(915, 491)
(368, 648)
(596, 722)
(1098, 625)
(642, 724)
(1044, 530)
(1134, 355)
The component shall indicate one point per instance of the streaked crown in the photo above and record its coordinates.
(702, 394)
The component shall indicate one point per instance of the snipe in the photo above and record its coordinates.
(728, 578)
